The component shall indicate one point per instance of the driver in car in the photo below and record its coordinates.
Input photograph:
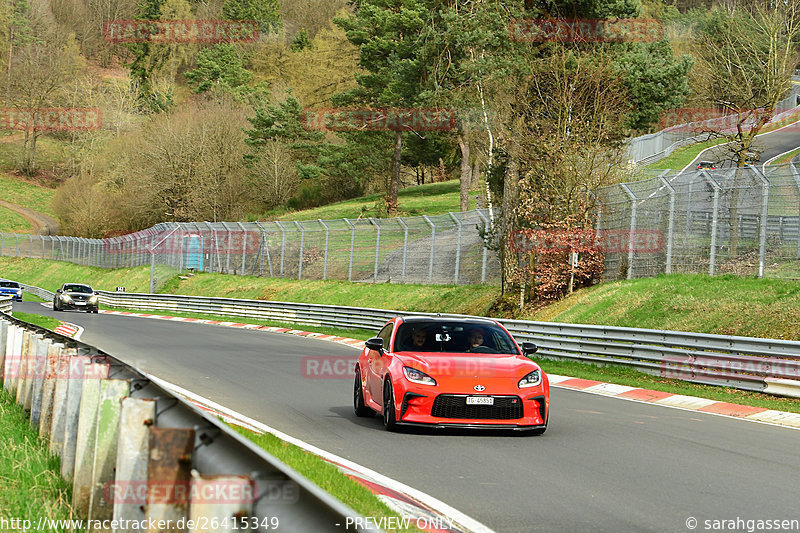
(474, 339)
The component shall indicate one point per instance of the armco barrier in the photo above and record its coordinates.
(747, 363)
(108, 418)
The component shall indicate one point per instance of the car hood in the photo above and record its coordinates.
(468, 365)
(10, 289)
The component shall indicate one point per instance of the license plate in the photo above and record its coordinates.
(480, 400)
(80, 303)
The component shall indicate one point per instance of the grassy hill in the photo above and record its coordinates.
(429, 199)
(725, 305)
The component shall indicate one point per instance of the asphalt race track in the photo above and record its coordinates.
(768, 145)
(603, 465)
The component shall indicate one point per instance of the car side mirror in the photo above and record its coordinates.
(375, 343)
(529, 348)
(58, 291)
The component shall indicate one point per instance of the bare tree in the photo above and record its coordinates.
(40, 79)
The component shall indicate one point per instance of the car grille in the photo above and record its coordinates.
(79, 298)
(451, 406)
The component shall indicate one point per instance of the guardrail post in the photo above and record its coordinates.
(325, 259)
(283, 243)
(714, 223)
(632, 232)
(133, 451)
(352, 247)
(37, 390)
(12, 360)
(213, 510)
(112, 391)
(433, 242)
(48, 392)
(762, 247)
(302, 242)
(671, 223)
(377, 249)
(169, 467)
(74, 393)
(60, 395)
(86, 435)
(22, 374)
(458, 248)
(4, 327)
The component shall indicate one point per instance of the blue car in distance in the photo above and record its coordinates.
(11, 288)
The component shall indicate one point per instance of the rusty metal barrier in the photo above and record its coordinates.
(134, 451)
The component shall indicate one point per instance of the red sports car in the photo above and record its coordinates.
(451, 372)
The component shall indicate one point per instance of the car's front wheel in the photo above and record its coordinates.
(389, 420)
(55, 307)
(359, 407)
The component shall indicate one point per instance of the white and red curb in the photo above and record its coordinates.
(678, 401)
(622, 392)
(69, 330)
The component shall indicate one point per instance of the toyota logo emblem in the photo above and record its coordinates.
(479, 388)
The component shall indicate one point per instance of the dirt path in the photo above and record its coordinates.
(42, 224)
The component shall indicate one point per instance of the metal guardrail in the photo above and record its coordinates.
(6, 303)
(764, 365)
(134, 451)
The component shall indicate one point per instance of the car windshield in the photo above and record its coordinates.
(9, 284)
(453, 337)
(78, 288)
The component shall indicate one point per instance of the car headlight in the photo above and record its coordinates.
(417, 376)
(93, 299)
(19, 293)
(66, 298)
(531, 380)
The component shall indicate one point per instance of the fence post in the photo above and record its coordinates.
(244, 247)
(352, 246)
(377, 249)
(762, 248)
(714, 224)
(458, 248)
(796, 177)
(228, 248)
(433, 242)
(302, 242)
(265, 244)
(283, 243)
(671, 223)
(631, 235)
(325, 259)
(487, 227)
(405, 249)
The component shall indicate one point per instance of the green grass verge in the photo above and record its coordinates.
(429, 199)
(325, 475)
(30, 483)
(725, 305)
(786, 158)
(39, 320)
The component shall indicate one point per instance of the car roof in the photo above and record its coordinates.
(81, 284)
(446, 318)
